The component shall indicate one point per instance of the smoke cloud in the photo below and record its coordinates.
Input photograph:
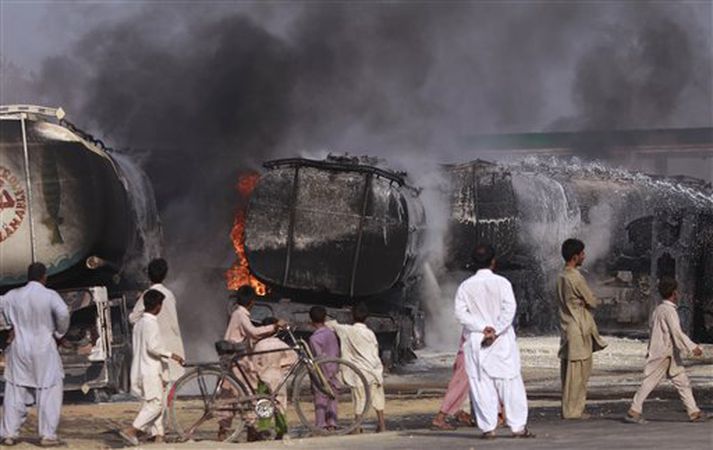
(199, 96)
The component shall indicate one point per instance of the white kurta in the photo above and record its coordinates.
(487, 300)
(168, 325)
(359, 346)
(38, 316)
(149, 370)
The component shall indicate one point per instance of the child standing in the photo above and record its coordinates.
(360, 347)
(149, 371)
(666, 342)
(324, 344)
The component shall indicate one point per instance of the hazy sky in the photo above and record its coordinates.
(33, 31)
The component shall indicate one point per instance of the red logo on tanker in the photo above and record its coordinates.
(13, 203)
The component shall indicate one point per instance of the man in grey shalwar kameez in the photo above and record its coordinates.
(33, 368)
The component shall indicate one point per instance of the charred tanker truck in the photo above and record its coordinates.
(334, 233)
(637, 228)
(88, 214)
(339, 231)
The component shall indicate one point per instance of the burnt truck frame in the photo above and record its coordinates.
(374, 194)
(96, 350)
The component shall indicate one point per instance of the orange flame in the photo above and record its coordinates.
(239, 273)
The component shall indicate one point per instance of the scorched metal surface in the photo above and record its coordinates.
(63, 199)
(335, 227)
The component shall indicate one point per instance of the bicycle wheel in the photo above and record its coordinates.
(335, 381)
(200, 399)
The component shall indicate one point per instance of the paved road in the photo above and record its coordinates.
(594, 435)
(667, 429)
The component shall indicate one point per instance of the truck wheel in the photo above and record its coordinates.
(101, 395)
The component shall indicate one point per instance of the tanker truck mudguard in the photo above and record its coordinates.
(336, 232)
(86, 212)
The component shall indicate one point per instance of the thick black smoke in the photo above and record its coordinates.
(200, 96)
(638, 76)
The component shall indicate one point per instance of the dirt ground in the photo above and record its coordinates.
(414, 392)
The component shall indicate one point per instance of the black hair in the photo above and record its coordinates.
(570, 248)
(269, 321)
(158, 268)
(317, 314)
(36, 271)
(483, 256)
(360, 312)
(667, 286)
(244, 295)
(152, 298)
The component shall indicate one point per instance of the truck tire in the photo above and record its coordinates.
(101, 395)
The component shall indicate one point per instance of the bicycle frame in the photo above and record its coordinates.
(246, 397)
(304, 356)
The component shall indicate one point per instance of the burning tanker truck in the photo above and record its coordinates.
(88, 214)
(334, 233)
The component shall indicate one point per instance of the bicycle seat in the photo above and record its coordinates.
(224, 347)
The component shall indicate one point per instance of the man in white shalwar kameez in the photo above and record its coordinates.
(485, 306)
(33, 368)
(149, 371)
(167, 319)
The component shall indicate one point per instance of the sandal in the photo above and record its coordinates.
(131, 440)
(441, 425)
(698, 417)
(635, 418)
(488, 435)
(524, 434)
(464, 418)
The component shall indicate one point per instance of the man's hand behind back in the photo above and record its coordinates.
(488, 337)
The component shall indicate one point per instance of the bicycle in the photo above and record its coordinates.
(203, 395)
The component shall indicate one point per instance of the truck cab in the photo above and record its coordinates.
(96, 350)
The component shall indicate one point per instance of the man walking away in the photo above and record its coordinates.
(666, 343)
(167, 319)
(149, 371)
(579, 334)
(33, 367)
(485, 306)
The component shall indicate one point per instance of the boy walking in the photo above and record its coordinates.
(359, 346)
(149, 371)
(324, 344)
(666, 342)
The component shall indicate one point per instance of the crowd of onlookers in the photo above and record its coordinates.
(487, 367)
